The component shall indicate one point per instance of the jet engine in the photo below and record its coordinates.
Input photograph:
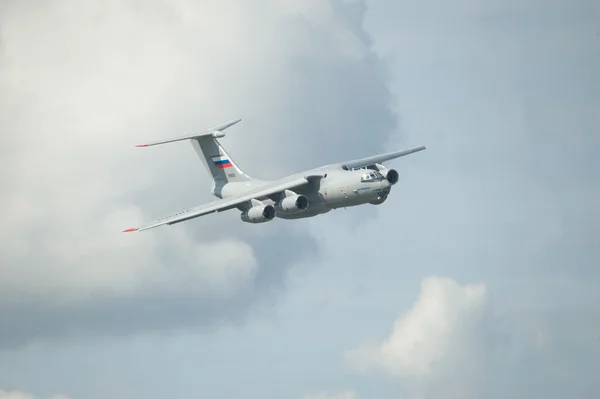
(390, 174)
(292, 203)
(258, 214)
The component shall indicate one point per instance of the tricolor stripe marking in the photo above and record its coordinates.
(222, 163)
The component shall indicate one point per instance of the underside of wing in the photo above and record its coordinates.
(359, 163)
(228, 203)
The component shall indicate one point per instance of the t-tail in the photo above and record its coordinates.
(215, 158)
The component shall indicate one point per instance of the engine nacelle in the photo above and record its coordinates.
(390, 174)
(258, 214)
(293, 203)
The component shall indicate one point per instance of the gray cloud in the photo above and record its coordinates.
(83, 83)
(505, 95)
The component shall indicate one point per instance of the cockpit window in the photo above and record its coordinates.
(371, 176)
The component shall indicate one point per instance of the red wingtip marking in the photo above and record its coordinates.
(130, 230)
(142, 145)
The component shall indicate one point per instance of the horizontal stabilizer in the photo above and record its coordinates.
(216, 132)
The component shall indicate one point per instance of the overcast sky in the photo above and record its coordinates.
(478, 278)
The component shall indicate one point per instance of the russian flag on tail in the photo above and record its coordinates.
(222, 163)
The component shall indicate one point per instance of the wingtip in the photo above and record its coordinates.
(141, 145)
(130, 230)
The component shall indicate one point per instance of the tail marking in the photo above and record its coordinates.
(222, 163)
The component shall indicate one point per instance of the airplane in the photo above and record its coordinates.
(301, 195)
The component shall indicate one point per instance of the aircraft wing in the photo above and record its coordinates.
(229, 203)
(358, 163)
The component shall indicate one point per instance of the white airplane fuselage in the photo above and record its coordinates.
(339, 189)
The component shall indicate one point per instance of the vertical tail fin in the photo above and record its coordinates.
(218, 162)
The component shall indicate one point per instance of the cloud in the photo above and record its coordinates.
(23, 395)
(438, 340)
(452, 342)
(443, 321)
(84, 82)
(16, 394)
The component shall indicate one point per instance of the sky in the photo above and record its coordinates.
(477, 278)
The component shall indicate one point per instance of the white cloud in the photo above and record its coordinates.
(439, 336)
(82, 82)
(450, 343)
(14, 394)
